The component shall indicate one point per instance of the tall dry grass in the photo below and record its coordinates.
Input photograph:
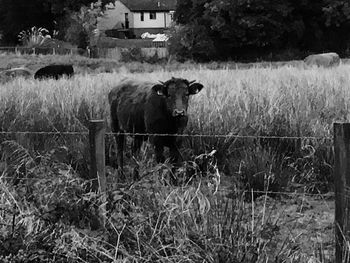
(285, 101)
(156, 222)
(244, 101)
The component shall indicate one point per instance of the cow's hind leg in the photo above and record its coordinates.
(120, 138)
(120, 148)
(137, 143)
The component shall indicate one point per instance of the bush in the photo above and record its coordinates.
(43, 200)
(190, 43)
(131, 54)
(35, 37)
(77, 35)
(136, 54)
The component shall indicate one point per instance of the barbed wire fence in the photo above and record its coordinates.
(100, 148)
(341, 142)
(90, 52)
(43, 50)
(171, 135)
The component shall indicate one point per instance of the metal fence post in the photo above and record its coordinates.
(342, 189)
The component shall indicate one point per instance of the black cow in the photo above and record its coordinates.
(54, 71)
(154, 108)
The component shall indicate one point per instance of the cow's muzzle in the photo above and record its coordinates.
(177, 113)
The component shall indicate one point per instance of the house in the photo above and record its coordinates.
(132, 18)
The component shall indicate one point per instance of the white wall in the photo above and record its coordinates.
(163, 19)
(169, 19)
(114, 16)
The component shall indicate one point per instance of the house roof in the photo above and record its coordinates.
(150, 5)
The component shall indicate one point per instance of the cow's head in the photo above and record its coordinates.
(176, 92)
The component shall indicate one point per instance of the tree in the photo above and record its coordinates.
(233, 26)
(82, 25)
(251, 28)
(337, 21)
(249, 25)
(18, 15)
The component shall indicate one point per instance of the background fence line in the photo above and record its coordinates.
(147, 50)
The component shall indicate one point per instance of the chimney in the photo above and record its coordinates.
(158, 4)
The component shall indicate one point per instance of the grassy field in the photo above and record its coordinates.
(285, 101)
(259, 101)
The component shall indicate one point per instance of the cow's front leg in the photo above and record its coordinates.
(175, 155)
(159, 149)
(120, 148)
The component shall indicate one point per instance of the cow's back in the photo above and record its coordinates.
(127, 101)
(323, 59)
(54, 71)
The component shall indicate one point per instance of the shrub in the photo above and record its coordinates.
(34, 37)
(43, 203)
(190, 43)
(77, 35)
(135, 54)
(131, 54)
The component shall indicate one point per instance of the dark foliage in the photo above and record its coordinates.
(18, 15)
(244, 29)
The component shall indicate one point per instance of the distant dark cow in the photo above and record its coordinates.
(155, 108)
(54, 71)
(323, 60)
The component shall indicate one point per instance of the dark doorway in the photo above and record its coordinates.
(126, 20)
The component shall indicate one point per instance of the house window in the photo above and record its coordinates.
(152, 15)
(126, 20)
(142, 16)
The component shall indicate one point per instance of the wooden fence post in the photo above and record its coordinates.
(97, 132)
(342, 190)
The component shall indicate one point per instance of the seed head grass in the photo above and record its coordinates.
(284, 101)
(244, 101)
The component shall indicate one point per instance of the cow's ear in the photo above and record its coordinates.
(195, 88)
(160, 89)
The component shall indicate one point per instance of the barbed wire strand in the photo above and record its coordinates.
(174, 135)
(42, 133)
(182, 135)
(330, 194)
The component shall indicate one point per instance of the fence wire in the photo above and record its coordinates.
(238, 136)
(267, 192)
(224, 136)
